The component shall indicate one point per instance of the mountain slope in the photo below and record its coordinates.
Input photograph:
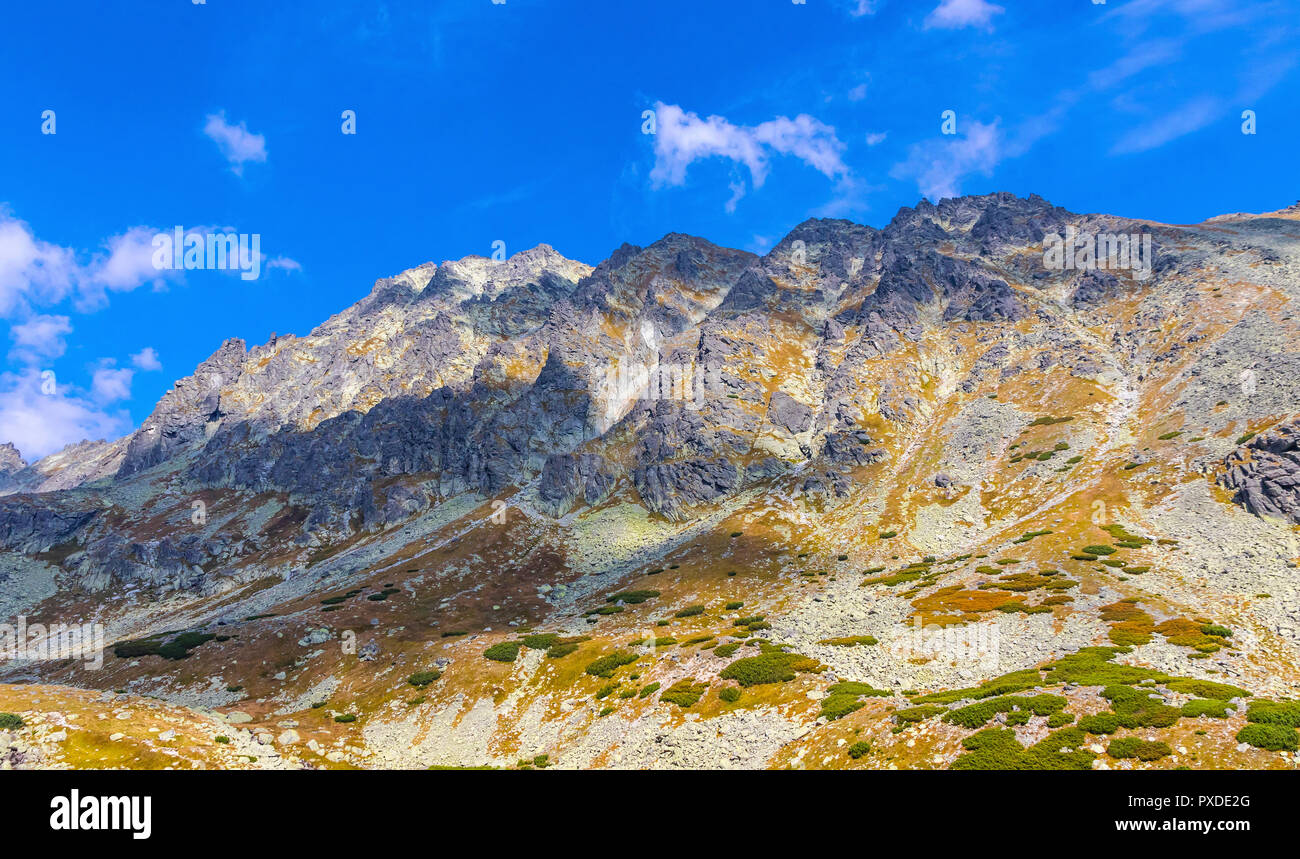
(870, 445)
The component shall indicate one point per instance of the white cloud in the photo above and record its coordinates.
(859, 8)
(939, 166)
(128, 265)
(955, 14)
(876, 138)
(109, 383)
(683, 138)
(858, 93)
(39, 339)
(237, 144)
(284, 263)
(129, 262)
(39, 424)
(35, 272)
(1192, 116)
(31, 270)
(146, 359)
(1146, 54)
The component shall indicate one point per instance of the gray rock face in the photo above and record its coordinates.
(1265, 473)
(11, 461)
(35, 524)
(788, 413)
(181, 416)
(70, 467)
(568, 478)
(477, 376)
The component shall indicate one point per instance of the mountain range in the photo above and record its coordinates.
(891, 498)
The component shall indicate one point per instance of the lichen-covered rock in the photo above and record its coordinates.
(1265, 472)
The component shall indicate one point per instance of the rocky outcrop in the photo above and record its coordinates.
(186, 411)
(568, 479)
(479, 376)
(32, 524)
(11, 461)
(1265, 473)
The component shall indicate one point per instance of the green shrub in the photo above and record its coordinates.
(605, 666)
(732, 606)
(541, 641)
(1098, 550)
(1275, 738)
(726, 650)
(977, 715)
(998, 749)
(690, 611)
(632, 597)
(684, 692)
(506, 651)
(852, 687)
(345, 718)
(1285, 713)
(224, 740)
(1135, 747)
(10, 722)
(1137, 709)
(666, 641)
(851, 641)
(1206, 689)
(730, 694)
(859, 749)
(423, 678)
(912, 715)
(1092, 666)
(176, 648)
(1269, 712)
(838, 706)
(559, 651)
(773, 667)
(649, 690)
(1206, 707)
(1100, 723)
(1060, 719)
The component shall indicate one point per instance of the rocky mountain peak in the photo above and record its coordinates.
(11, 460)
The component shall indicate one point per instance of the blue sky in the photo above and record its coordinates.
(522, 122)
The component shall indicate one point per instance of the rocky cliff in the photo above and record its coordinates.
(516, 441)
